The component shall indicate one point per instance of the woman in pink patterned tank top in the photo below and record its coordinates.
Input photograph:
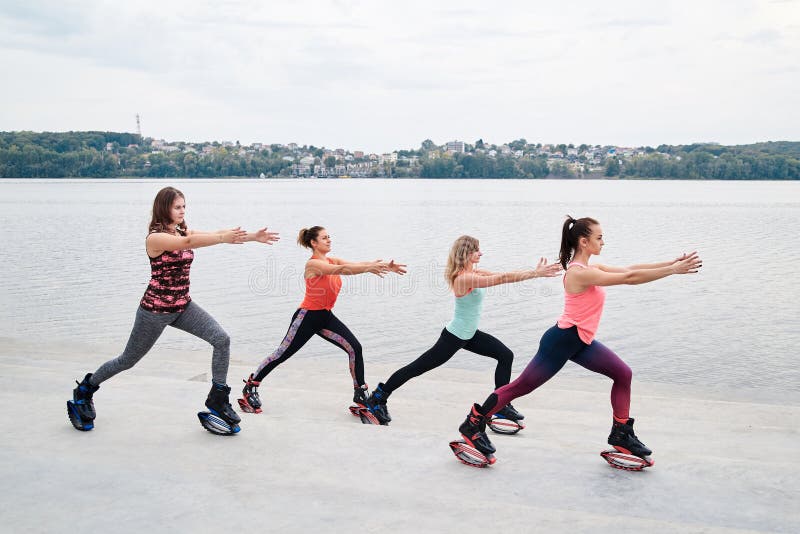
(166, 302)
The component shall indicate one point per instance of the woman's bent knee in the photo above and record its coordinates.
(221, 340)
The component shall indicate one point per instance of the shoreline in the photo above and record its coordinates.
(590, 178)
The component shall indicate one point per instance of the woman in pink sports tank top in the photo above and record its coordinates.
(166, 302)
(573, 337)
(315, 315)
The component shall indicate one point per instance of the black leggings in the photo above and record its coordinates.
(444, 349)
(306, 323)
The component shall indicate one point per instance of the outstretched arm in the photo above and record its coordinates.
(316, 267)
(384, 266)
(580, 279)
(158, 242)
(640, 266)
(263, 236)
(483, 278)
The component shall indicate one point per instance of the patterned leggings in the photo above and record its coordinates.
(557, 346)
(306, 323)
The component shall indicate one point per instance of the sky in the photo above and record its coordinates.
(380, 76)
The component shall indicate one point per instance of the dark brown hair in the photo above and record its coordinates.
(571, 232)
(162, 211)
(307, 235)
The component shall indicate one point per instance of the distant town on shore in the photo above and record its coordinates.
(112, 154)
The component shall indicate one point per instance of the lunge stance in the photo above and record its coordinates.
(315, 315)
(468, 284)
(166, 302)
(572, 338)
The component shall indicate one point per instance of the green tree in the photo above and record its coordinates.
(612, 166)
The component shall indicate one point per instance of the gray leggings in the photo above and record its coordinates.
(147, 328)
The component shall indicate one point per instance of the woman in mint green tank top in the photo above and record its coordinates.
(469, 285)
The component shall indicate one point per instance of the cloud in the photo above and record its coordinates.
(379, 74)
(764, 37)
(43, 18)
(635, 23)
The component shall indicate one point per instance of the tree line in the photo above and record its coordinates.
(113, 154)
(760, 161)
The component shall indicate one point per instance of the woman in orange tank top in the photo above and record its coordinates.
(572, 338)
(315, 316)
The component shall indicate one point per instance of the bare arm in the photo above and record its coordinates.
(579, 279)
(203, 232)
(158, 242)
(384, 266)
(262, 236)
(483, 278)
(640, 266)
(316, 267)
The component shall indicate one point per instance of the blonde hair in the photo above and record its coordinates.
(458, 259)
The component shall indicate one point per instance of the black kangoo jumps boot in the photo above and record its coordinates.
(509, 412)
(473, 430)
(217, 402)
(360, 395)
(82, 398)
(624, 440)
(376, 403)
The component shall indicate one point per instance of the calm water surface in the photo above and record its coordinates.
(74, 267)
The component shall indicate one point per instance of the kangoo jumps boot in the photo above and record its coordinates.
(217, 403)
(624, 440)
(80, 409)
(376, 403)
(360, 394)
(250, 401)
(82, 398)
(509, 412)
(473, 430)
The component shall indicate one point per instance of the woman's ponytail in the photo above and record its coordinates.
(571, 232)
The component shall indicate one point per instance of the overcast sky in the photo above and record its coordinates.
(378, 75)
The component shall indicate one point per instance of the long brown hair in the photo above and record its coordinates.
(458, 259)
(162, 211)
(571, 232)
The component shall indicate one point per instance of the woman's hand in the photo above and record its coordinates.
(683, 257)
(688, 263)
(378, 268)
(233, 236)
(545, 270)
(397, 268)
(263, 236)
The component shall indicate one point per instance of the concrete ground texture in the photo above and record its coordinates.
(724, 461)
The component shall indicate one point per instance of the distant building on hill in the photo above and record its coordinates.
(455, 146)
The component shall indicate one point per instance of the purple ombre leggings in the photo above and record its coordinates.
(556, 347)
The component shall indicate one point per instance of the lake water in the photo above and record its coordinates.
(74, 267)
